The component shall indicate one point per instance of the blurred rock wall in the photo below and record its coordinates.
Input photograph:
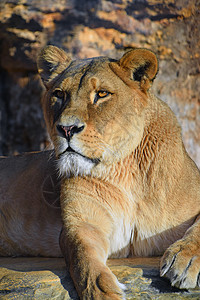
(88, 28)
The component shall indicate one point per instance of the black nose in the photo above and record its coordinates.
(68, 131)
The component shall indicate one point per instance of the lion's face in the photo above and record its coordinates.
(95, 108)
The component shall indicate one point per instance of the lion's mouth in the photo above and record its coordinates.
(69, 150)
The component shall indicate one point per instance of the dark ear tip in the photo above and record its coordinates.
(142, 62)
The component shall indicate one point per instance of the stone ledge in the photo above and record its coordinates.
(46, 278)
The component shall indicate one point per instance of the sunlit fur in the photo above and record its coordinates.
(129, 187)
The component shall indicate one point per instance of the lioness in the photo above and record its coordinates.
(128, 187)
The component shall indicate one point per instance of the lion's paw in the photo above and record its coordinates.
(105, 286)
(181, 264)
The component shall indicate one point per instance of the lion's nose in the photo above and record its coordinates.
(68, 131)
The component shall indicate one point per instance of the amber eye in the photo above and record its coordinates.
(100, 95)
(59, 94)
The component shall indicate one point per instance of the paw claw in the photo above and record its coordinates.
(163, 270)
(167, 266)
(181, 265)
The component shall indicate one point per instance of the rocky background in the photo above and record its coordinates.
(88, 28)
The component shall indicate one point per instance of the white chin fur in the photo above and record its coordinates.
(74, 164)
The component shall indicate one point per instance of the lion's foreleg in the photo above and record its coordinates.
(85, 245)
(181, 261)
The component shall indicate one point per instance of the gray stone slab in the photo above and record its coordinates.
(47, 278)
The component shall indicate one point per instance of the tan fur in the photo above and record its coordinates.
(128, 186)
(143, 193)
(30, 221)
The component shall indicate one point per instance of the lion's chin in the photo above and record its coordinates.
(74, 164)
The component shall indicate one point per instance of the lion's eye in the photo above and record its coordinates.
(101, 95)
(59, 94)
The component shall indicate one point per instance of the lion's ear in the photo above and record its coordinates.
(51, 62)
(142, 64)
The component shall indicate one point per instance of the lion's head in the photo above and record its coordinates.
(95, 108)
